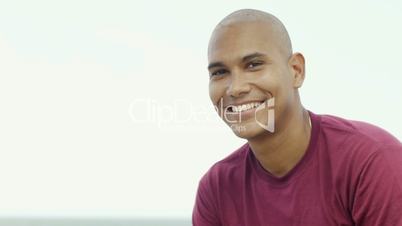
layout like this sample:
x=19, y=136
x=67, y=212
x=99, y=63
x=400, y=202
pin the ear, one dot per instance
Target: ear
x=297, y=69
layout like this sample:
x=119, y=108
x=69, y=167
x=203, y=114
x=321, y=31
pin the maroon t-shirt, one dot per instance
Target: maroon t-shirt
x=351, y=174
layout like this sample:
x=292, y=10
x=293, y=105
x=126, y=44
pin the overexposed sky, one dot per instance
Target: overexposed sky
x=104, y=104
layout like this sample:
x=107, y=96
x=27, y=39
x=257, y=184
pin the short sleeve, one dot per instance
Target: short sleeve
x=378, y=196
x=205, y=208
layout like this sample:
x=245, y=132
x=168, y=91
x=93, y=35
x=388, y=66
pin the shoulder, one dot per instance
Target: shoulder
x=355, y=133
x=356, y=145
x=356, y=128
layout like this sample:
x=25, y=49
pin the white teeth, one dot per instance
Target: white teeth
x=245, y=107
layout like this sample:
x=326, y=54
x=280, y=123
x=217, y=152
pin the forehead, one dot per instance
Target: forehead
x=232, y=42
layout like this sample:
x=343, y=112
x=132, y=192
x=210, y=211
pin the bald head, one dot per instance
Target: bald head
x=250, y=59
x=267, y=23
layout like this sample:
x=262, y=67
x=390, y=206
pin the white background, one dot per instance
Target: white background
x=75, y=77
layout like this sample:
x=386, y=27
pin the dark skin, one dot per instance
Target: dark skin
x=250, y=60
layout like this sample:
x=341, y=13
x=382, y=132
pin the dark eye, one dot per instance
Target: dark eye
x=254, y=64
x=219, y=72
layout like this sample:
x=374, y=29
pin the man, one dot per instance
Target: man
x=297, y=168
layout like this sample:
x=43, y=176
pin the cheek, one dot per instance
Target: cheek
x=271, y=81
x=267, y=84
x=216, y=92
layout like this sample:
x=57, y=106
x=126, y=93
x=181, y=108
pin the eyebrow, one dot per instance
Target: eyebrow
x=251, y=56
x=215, y=64
x=244, y=59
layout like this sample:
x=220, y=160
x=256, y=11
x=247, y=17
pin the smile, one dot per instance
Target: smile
x=244, y=107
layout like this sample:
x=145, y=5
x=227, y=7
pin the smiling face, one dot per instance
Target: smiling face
x=249, y=64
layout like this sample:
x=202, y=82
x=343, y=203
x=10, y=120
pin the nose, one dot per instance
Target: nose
x=238, y=85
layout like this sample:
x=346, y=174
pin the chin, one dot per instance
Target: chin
x=248, y=131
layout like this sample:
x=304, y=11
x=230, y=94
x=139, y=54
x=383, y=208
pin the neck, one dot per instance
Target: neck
x=279, y=152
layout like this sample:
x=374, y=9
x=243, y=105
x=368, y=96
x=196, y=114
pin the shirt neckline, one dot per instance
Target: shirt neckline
x=298, y=168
